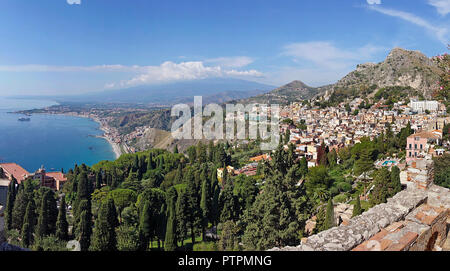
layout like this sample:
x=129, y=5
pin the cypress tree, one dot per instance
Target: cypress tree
x=170, y=243
x=11, y=197
x=179, y=175
x=357, y=208
x=205, y=202
x=98, y=180
x=104, y=238
x=42, y=224
x=329, y=219
x=193, y=197
x=145, y=226
x=395, y=185
x=82, y=191
x=175, y=149
x=19, y=209
x=150, y=162
x=228, y=204
x=62, y=227
x=85, y=227
x=26, y=235
x=28, y=225
x=181, y=215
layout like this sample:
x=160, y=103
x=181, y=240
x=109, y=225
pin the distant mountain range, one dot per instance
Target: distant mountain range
x=217, y=90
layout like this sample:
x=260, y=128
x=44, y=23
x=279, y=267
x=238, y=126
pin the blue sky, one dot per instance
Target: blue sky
x=50, y=47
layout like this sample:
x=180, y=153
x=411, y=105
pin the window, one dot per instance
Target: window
x=410, y=146
x=410, y=154
x=421, y=147
x=415, y=146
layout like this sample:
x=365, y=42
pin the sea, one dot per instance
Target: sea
x=56, y=142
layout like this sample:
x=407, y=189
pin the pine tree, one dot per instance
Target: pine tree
x=364, y=163
x=357, y=208
x=62, y=227
x=175, y=149
x=329, y=219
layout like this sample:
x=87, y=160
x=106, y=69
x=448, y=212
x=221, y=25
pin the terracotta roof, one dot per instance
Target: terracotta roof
x=14, y=169
x=425, y=134
x=59, y=176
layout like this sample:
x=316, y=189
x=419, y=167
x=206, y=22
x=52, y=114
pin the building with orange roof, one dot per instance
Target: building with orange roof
x=13, y=169
x=260, y=158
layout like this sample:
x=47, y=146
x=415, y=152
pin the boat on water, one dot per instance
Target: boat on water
x=24, y=119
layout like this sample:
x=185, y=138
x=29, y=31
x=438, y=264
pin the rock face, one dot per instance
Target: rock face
x=401, y=68
x=414, y=219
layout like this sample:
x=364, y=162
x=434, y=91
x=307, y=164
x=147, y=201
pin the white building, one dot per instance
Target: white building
x=421, y=106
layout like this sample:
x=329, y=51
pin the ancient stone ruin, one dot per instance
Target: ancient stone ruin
x=416, y=219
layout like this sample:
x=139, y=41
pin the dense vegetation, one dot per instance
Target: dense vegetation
x=161, y=200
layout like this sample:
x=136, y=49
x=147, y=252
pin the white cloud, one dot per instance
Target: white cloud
x=442, y=6
x=76, y=2
x=374, y=2
x=166, y=72
x=170, y=71
x=231, y=62
x=441, y=33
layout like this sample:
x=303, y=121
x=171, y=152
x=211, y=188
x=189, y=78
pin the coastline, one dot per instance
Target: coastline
x=116, y=147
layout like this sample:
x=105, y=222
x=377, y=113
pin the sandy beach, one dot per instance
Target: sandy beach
x=116, y=147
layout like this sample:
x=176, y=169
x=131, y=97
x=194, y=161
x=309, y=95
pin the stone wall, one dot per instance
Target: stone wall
x=416, y=218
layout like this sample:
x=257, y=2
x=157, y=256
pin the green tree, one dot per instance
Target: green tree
x=228, y=238
x=380, y=192
x=10, y=198
x=278, y=215
x=62, y=226
x=145, y=226
x=228, y=204
x=85, y=230
x=364, y=163
x=357, y=208
x=122, y=198
x=104, y=237
x=182, y=209
x=330, y=220
x=205, y=202
x=170, y=243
